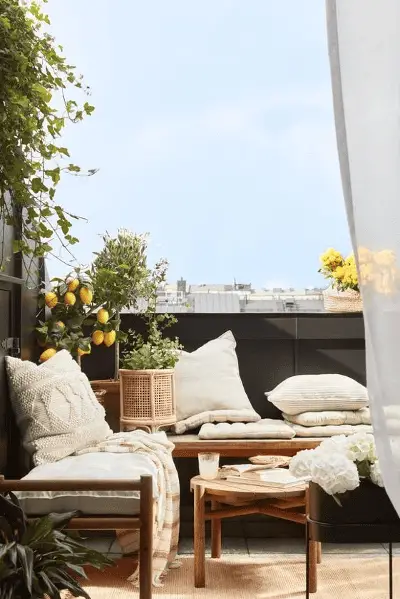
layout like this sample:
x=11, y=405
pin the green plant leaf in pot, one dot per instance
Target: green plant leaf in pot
x=42, y=559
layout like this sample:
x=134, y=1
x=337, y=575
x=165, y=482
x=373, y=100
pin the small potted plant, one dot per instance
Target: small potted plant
x=39, y=559
x=344, y=292
x=147, y=390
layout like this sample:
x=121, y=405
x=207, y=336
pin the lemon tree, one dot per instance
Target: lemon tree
x=74, y=319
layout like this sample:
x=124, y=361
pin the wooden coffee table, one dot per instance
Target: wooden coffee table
x=228, y=500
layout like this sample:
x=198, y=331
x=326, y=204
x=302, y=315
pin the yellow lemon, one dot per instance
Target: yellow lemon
x=82, y=352
x=69, y=298
x=98, y=337
x=51, y=299
x=86, y=295
x=109, y=338
x=47, y=354
x=73, y=284
x=103, y=316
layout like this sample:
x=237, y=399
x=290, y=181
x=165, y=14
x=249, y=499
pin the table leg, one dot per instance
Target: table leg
x=313, y=566
x=215, y=533
x=199, y=538
x=319, y=553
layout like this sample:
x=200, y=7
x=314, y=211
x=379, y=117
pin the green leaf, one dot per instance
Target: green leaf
x=17, y=246
x=36, y=185
x=73, y=168
x=42, y=91
x=26, y=557
x=88, y=108
x=54, y=174
x=5, y=22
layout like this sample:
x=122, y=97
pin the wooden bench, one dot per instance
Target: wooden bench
x=189, y=446
x=143, y=521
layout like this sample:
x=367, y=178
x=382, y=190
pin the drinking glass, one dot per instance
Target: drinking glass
x=208, y=465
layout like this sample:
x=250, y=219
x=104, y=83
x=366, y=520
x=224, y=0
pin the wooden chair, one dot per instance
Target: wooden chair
x=143, y=522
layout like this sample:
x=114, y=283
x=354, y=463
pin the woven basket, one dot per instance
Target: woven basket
x=342, y=301
x=147, y=399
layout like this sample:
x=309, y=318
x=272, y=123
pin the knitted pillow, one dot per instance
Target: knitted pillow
x=55, y=407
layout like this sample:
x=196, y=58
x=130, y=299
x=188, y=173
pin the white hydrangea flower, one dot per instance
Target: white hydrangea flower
x=361, y=446
x=338, y=443
x=300, y=464
x=334, y=472
x=376, y=474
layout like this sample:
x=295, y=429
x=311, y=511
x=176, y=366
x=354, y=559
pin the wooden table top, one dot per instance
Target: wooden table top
x=220, y=486
x=189, y=446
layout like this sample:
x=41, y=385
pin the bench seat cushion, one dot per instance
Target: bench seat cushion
x=89, y=466
x=263, y=429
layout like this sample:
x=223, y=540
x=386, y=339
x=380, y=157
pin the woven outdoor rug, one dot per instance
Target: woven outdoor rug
x=264, y=577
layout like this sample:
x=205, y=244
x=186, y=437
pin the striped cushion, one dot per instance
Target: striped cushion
x=263, y=429
x=318, y=393
x=214, y=416
x=335, y=418
x=330, y=431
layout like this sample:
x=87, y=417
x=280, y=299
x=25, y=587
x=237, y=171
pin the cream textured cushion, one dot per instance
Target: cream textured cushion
x=330, y=431
x=337, y=418
x=89, y=466
x=318, y=393
x=55, y=407
x=215, y=416
x=208, y=379
x=263, y=429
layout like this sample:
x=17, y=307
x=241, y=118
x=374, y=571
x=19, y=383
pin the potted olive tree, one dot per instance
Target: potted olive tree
x=121, y=280
x=147, y=389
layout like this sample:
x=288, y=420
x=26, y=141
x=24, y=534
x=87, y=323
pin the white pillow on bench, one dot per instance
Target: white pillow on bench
x=317, y=393
x=336, y=418
x=208, y=386
x=330, y=431
x=89, y=466
x=263, y=429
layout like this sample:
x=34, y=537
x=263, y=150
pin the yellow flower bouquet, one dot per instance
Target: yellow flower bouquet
x=340, y=271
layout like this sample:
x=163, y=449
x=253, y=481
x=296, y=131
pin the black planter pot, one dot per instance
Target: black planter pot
x=368, y=504
x=366, y=515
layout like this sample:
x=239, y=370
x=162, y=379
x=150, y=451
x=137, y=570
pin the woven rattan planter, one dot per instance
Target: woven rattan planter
x=147, y=399
x=342, y=301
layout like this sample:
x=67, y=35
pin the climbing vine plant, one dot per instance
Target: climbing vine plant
x=38, y=91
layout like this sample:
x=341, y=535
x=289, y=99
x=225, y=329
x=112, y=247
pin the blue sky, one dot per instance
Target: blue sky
x=213, y=131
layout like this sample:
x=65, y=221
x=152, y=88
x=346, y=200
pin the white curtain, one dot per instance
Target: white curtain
x=364, y=49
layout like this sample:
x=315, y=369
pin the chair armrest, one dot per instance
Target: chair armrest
x=144, y=484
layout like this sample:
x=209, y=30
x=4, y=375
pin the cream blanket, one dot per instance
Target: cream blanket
x=165, y=542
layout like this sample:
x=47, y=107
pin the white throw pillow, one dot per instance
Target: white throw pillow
x=55, y=407
x=263, y=429
x=337, y=418
x=318, y=393
x=208, y=379
x=330, y=431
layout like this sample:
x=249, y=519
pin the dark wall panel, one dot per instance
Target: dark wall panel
x=270, y=348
